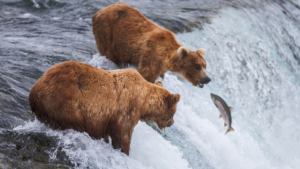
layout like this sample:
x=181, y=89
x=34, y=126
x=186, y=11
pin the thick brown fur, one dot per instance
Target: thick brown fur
x=124, y=35
x=73, y=95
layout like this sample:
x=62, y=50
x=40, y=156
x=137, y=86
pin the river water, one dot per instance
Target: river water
x=253, y=59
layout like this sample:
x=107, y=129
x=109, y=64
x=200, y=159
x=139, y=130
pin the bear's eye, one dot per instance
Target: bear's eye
x=198, y=67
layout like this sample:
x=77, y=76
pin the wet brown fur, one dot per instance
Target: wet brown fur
x=73, y=95
x=124, y=35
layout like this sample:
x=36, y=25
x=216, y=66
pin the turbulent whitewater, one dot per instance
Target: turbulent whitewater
x=253, y=59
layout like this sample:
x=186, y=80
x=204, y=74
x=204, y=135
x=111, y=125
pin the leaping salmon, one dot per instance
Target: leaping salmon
x=225, y=111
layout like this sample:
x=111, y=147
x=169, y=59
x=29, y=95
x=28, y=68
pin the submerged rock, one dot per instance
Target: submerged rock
x=30, y=150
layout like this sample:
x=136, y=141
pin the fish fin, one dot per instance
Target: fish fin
x=230, y=109
x=225, y=124
x=230, y=129
x=220, y=116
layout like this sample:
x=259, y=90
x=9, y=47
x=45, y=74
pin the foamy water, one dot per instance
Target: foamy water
x=253, y=68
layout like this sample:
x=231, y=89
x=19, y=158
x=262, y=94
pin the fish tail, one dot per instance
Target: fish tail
x=229, y=129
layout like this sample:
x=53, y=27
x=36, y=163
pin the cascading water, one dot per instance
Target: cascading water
x=253, y=59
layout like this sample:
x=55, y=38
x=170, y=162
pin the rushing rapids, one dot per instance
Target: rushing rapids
x=253, y=59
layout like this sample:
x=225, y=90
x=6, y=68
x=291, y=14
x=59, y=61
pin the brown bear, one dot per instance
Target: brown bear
x=124, y=35
x=73, y=95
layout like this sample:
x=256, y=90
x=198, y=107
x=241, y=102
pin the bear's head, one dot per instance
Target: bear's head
x=192, y=65
x=165, y=118
x=160, y=106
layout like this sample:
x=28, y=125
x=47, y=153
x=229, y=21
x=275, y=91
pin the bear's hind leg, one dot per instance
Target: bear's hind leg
x=106, y=139
x=115, y=141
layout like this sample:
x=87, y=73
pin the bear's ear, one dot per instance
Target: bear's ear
x=201, y=51
x=159, y=83
x=172, y=99
x=182, y=51
x=176, y=97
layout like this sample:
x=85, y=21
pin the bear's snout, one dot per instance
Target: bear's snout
x=205, y=80
x=170, y=123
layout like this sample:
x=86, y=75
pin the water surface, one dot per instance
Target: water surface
x=253, y=58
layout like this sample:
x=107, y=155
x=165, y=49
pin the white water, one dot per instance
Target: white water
x=252, y=68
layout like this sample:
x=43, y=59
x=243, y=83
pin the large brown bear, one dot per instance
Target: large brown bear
x=124, y=35
x=73, y=95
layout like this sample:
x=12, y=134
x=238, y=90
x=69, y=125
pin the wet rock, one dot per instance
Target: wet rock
x=32, y=150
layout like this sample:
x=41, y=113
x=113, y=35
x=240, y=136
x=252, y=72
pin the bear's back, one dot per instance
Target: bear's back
x=123, y=34
x=71, y=94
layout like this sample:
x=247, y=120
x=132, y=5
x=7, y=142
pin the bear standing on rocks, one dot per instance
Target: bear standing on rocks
x=73, y=95
x=124, y=35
